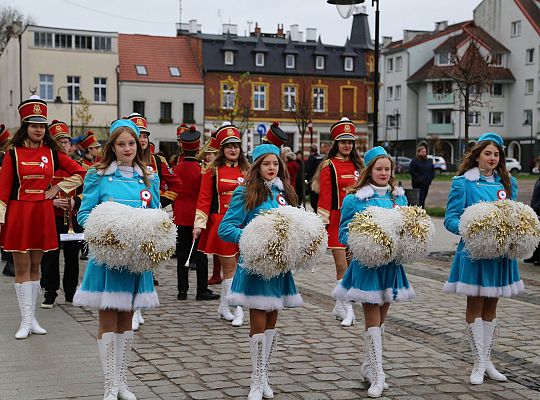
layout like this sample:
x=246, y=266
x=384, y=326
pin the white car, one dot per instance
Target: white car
x=438, y=163
x=513, y=166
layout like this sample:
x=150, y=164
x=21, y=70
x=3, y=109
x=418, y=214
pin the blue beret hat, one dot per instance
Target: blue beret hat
x=373, y=153
x=264, y=149
x=127, y=123
x=493, y=137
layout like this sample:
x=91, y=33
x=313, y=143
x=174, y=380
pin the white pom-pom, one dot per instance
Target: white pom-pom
x=525, y=236
x=282, y=239
x=373, y=235
x=137, y=239
x=416, y=234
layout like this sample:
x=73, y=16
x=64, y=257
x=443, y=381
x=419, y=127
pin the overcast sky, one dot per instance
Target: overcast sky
x=158, y=17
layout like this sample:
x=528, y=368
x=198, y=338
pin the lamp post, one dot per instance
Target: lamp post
x=529, y=121
x=396, y=122
x=345, y=9
x=310, y=130
x=58, y=100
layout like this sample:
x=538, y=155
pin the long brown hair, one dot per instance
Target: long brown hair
x=221, y=160
x=332, y=153
x=365, y=175
x=109, y=155
x=257, y=192
x=471, y=161
x=19, y=138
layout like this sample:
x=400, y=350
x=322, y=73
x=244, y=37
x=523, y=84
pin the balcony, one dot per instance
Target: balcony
x=440, y=129
x=435, y=99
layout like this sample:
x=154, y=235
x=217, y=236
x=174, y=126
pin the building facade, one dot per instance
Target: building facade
x=77, y=68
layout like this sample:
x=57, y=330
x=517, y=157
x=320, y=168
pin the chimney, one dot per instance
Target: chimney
x=294, y=33
x=441, y=26
x=257, y=28
x=280, y=32
x=232, y=29
x=386, y=40
x=311, y=34
x=192, y=26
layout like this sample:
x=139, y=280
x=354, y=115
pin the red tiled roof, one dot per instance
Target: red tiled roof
x=532, y=11
x=472, y=32
x=157, y=54
x=430, y=71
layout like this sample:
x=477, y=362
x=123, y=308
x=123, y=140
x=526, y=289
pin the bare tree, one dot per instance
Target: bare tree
x=235, y=108
x=83, y=117
x=12, y=21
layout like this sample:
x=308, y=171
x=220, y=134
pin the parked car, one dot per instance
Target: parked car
x=402, y=165
x=438, y=163
x=513, y=165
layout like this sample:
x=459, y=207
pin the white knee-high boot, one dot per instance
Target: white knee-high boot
x=475, y=335
x=238, y=317
x=36, y=328
x=124, y=345
x=137, y=319
x=271, y=337
x=349, y=314
x=107, y=355
x=339, y=308
x=24, y=296
x=489, y=342
x=223, y=310
x=374, y=343
x=257, y=344
x=365, y=368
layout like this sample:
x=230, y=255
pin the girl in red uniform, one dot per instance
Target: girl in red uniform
x=339, y=170
x=218, y=183
x=26, y=202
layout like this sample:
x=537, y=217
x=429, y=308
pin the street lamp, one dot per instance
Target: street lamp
x=345, y=9
x=58, y=100
x=529, y=121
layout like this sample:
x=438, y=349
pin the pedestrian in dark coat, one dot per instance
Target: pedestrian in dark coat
x=422, y=173
x=535, y=205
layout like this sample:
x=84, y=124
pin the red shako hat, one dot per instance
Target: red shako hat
x=343, y=130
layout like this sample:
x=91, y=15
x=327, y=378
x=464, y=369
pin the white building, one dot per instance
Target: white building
x=159, y=78
x=70, y=63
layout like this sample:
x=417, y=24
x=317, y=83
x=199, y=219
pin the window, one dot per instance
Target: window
x=100, y=90
x=62, y=41
x=444, y=58
x=229, y=58
x=102, y=43
x=43, y=39
x=289, y=98
x=475, y=89
x=138, y=107
x=319, y=104
x=390, y=65
x=496, y=118
x=174, y=71
x=46, y=85
x=290, y=61
x=188, y=113
x=348, y=64
x=515, y=28
x=165, y=113
x=259, y=97
x=442, y=116
x=529, y=56
x=399, y=63
x=141, y=70
x=527, y=117
x=497, y=90
x=74, y=88
x=83, y=42
x=497, y=60
x=393, y=120
x=227, y=96
x=442, y=87
x=259, y=59
x=474, y=118
x=389, y=93
x=397, y=94
x=529, y=86
x=319, y=62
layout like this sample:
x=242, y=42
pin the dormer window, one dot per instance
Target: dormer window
x=319, y=62
x=259, y=59
x=174, y=71
x=444, y=58
x=141, y=70
x=229, y=58
x=348, y=64
x=290, y=61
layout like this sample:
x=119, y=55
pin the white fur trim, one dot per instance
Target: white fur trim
x=266, y=303
x=111, y=169
x=476, y=290
x=122, y=301
x=146, y=300
x=472, y=174
x=365, y=192
x=398, y=191
x=373, y=297
x=278, y=183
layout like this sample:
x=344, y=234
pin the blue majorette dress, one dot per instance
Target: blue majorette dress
x=485, y=278
x=106, y=288
x=362, y=284
x=248, y=289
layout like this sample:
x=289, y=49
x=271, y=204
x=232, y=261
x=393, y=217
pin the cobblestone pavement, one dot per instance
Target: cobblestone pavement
x=185, y=352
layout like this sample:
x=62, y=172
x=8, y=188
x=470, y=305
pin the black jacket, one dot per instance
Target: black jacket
x=535, y=201
x=422, y=172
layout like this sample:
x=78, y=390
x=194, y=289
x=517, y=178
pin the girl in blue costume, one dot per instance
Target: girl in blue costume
x=266, y=187
x=482, y=176
x=377, y=287
x=122, y=177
